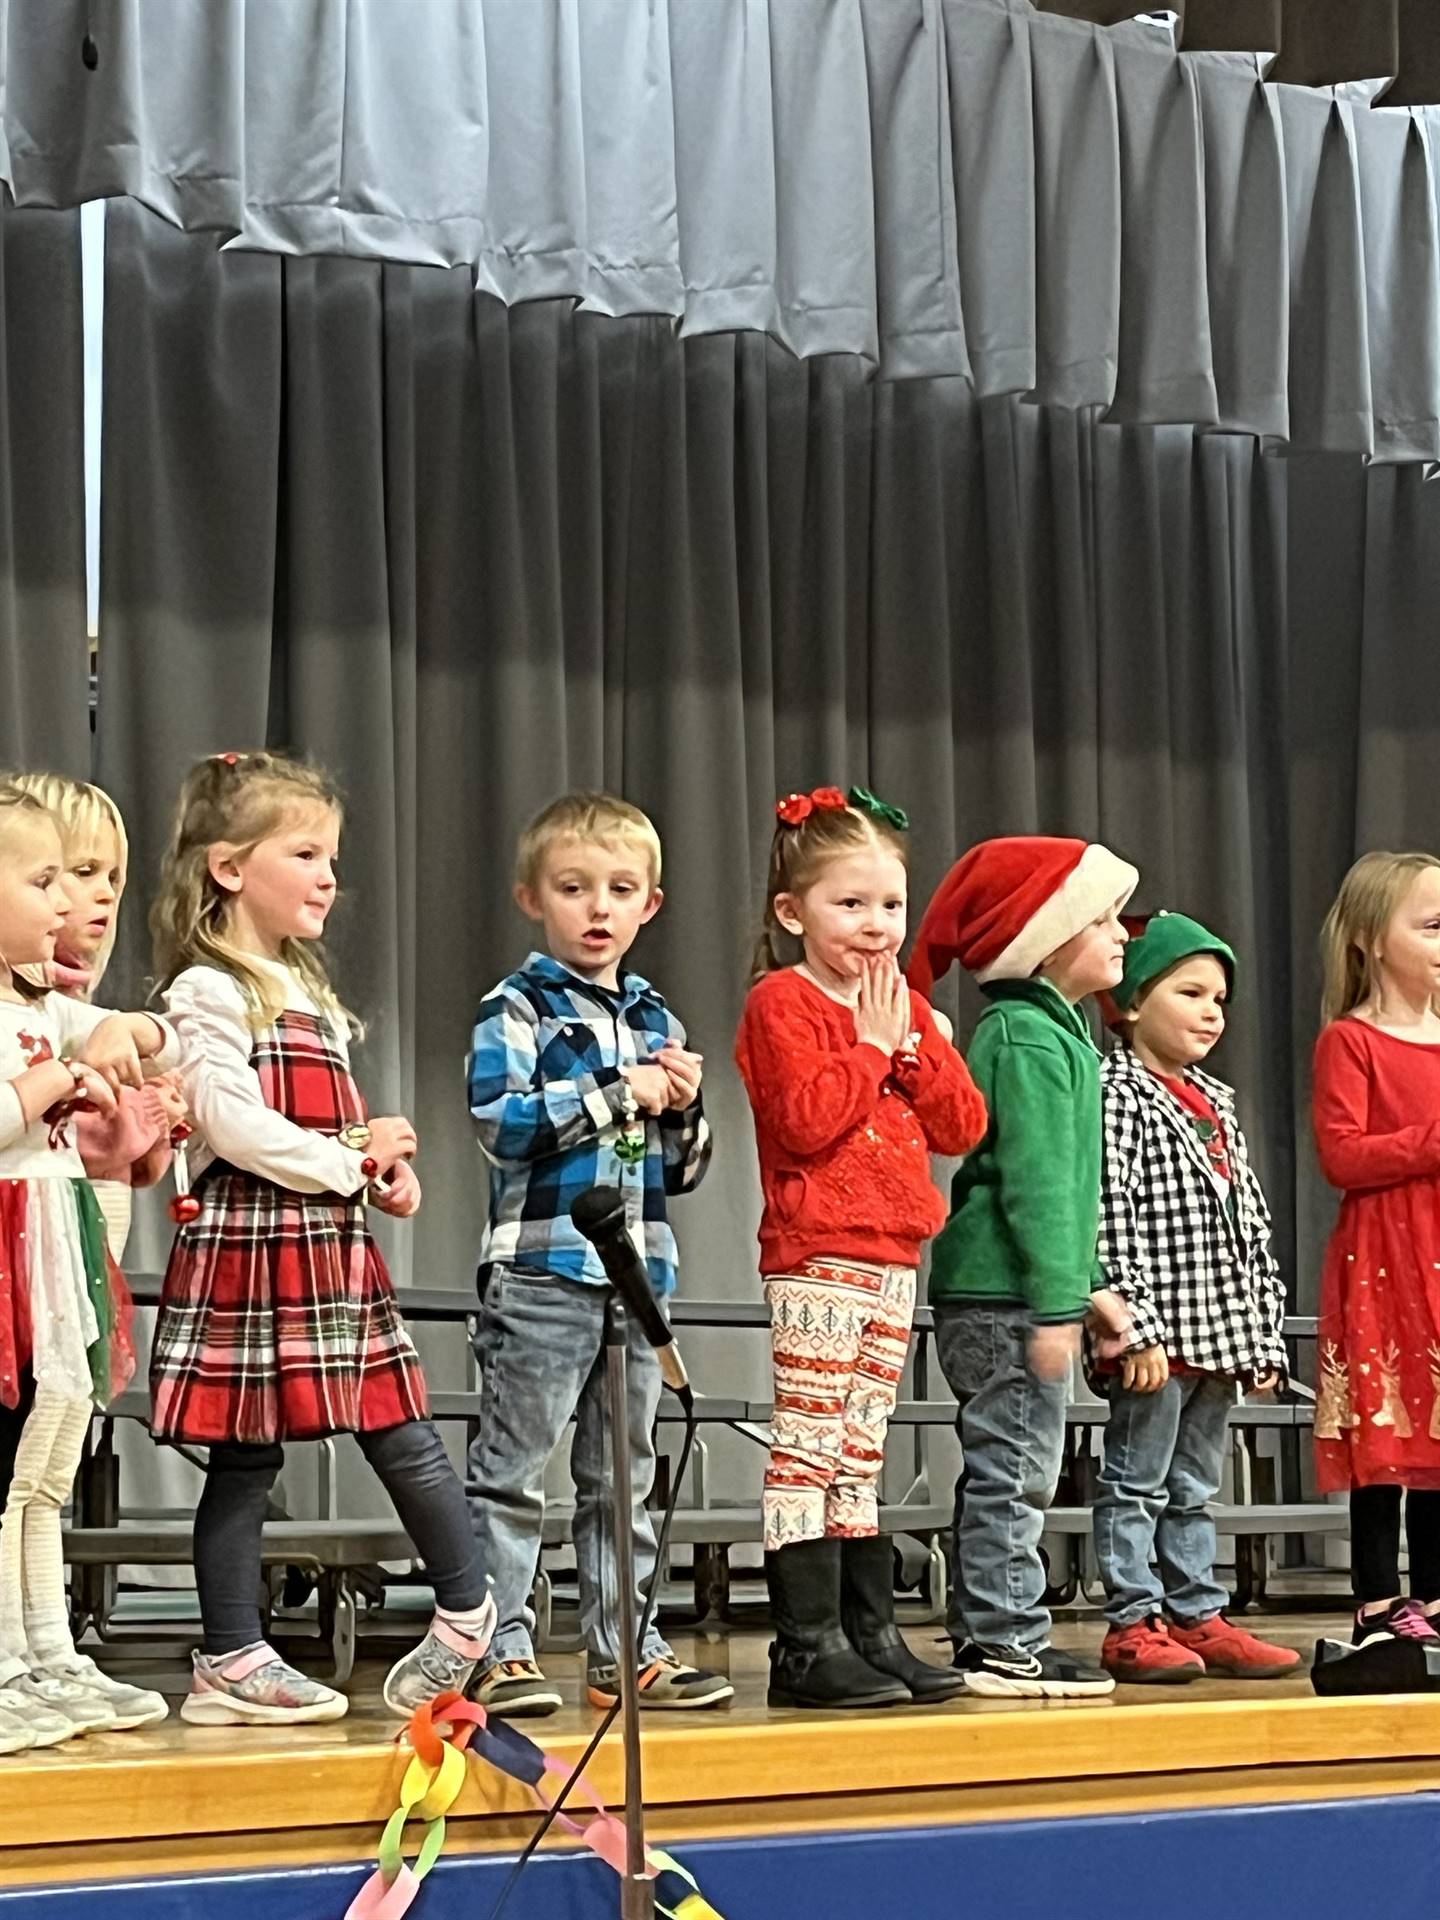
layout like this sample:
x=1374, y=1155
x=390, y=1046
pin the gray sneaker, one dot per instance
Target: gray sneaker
x=254, y=1687
x=16, y=1733
x=443, y=1662
x=82, y=1710
x=133, y=1706
x=45, y=1726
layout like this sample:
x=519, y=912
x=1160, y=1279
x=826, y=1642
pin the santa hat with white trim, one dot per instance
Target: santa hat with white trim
x=1007, y=905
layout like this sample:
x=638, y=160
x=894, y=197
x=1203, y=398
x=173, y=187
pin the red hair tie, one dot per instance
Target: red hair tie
x=796, y=808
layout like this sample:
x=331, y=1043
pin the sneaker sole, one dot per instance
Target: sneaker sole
x=216, y=1710
x=82, y=1728
x=1160, y=1676
x=1253, y=1673
x=148, y=1717
x=16, y=1742
x=994, y=1686
x=529, y=1706
x=665, y=1703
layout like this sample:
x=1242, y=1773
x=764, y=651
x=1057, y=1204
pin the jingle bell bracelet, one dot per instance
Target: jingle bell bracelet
x=184, y=1207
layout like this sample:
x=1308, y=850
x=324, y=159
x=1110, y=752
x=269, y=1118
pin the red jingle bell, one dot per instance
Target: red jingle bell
x=184, y=1208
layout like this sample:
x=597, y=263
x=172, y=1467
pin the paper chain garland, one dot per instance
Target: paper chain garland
x=441, y=1733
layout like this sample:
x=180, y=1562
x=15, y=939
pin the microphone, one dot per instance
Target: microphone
x=600, y=1216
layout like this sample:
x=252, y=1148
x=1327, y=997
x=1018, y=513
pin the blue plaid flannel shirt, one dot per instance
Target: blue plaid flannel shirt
x=548, y=1097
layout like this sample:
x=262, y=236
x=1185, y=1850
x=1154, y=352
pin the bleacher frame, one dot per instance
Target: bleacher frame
x=342, y=1556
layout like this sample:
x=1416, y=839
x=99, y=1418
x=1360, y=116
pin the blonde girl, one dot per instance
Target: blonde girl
x=64, y=1337
x=278, y=1320
x=131, y=1146
x=1377, y=1126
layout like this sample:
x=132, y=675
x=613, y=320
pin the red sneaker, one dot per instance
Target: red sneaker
x=1232, y=1654
x=1145, y=1654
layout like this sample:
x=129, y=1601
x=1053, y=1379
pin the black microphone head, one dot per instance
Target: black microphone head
x=594, y=1207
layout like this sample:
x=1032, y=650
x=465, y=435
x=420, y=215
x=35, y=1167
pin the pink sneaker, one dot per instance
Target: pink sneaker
x=256, y=1688
x=1402, y=1620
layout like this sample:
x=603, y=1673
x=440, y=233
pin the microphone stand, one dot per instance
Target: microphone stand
x=637, y=1890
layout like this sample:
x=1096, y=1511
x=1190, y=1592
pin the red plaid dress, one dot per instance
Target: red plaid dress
x=278, y=1320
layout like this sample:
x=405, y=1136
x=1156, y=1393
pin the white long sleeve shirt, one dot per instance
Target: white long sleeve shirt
x=48, y=1029
x=232, y=1121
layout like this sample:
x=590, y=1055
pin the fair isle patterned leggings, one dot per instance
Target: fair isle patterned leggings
x=839, y=1330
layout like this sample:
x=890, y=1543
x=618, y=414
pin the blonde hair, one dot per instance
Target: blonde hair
x=600, y=818
x=1369, y=897
x=799, y=855
x=81, y=811
x=17, y=804
x=239, y=799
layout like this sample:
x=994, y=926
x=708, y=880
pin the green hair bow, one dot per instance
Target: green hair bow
x=879, y=809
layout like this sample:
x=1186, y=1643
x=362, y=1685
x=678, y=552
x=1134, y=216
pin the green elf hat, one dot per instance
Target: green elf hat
x=1163, y=941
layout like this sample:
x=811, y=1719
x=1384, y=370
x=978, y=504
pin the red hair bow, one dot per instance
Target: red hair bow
x=798, y=807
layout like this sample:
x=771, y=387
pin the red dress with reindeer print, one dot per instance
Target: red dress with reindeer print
x=1377, y=1126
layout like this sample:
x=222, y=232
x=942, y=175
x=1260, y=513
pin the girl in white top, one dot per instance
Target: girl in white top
x=64, y=1333
x=278, y=1321
x=130, y=1147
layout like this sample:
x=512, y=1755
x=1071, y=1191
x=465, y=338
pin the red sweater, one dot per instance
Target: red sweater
x=844, y=1133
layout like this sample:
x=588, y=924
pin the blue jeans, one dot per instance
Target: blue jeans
x=540, y=1344
x=1012, y=1432
x=1164, y=1456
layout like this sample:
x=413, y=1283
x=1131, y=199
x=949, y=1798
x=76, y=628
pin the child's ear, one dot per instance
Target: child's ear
x=528, y=901
x=653, y=905
x=224, y=866
x=784, y=909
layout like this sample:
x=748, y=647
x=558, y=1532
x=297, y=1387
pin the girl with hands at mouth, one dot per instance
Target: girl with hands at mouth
x=853, y=1084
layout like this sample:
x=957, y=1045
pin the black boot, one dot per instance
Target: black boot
x=867, y=1613
x=812, y=1664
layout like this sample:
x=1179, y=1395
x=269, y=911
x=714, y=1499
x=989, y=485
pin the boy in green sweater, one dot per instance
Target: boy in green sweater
x=1015, y=1273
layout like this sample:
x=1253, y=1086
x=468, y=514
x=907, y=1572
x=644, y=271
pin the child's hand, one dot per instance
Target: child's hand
x=882, y=1013
x=683, y=1070
x=1267, y=1383
x=111, y=1050
x=399, y=1193
x=1109, y=1311
x=943, y=1026
x=391, y=1139
x=1053, y=1350
x=166, y=1087
x=92, y=1089
x=1109, y=1323
x=650, y=1086
x=1145, y=1371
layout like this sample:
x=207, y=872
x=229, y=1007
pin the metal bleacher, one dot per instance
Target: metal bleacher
x=340, y=1556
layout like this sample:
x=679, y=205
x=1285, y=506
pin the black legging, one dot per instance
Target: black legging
x=415, y=1471
x=1375, y=1543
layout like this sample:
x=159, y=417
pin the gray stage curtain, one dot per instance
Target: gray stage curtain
x=941, y=186
x=44, y=655
x=468, y=557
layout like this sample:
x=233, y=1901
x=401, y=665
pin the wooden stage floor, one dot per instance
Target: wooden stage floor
x=181, y=1799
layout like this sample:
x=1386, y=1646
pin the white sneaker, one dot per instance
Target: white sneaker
x=15, y=1732
x=133, y=1706
x=43, y=1724
x=255, y=1687
x=85, y=1711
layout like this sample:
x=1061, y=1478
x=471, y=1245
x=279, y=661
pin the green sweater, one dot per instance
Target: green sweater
x=1025, y=1219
